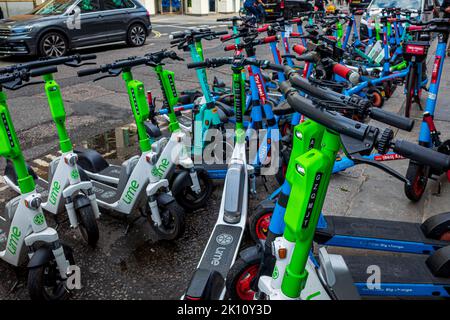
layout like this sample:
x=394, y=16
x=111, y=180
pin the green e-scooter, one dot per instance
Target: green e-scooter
x=28, y=235
x=64, y=191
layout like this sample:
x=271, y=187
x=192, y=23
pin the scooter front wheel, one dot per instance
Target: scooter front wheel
x=418, y=179
x=192, y=201
x=88, y=225
x=173, y=221
x=240, y=278
x=45, y=282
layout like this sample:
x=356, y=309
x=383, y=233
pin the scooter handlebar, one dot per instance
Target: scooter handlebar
x=392, y=119
x=423, y=155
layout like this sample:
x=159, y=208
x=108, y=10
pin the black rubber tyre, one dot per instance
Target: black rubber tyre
x=239, y=279
x=88, y=225
x=191, y=201
x=136, y=35
x=258, y=223
x=418, y=178
x=410, y=88
x=377, y=98
x=53, y=44
x=43, y=278
x=173, y=218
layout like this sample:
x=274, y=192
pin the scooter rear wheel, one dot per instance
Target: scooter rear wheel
x=259, y=223
x=240, y=278
x=44, y=282
x=418, y=178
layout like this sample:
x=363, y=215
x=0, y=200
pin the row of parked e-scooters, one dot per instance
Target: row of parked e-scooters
x=311, y=100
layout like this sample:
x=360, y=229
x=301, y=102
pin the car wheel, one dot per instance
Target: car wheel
x=53, y=44
x=136, y=35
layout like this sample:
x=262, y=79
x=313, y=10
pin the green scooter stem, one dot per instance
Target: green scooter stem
x=140, y=108
x=10, y=148
x=312, y=172
x=58, y=112
x=167, y=82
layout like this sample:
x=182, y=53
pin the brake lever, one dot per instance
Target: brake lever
x=20, y=86
x=359, y=159
x=74, y=64
x=112, y=74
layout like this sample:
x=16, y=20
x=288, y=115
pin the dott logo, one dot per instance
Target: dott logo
x=8, y=131
x=14, y=240
x=131, y=192
x=161, y=169
x=54, y=193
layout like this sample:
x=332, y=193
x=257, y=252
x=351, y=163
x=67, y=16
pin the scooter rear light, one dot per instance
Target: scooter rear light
x=282, y=4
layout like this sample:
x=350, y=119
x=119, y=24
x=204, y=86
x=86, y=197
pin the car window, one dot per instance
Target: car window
x=117, y=4
x=87, y=6
x=52, y=7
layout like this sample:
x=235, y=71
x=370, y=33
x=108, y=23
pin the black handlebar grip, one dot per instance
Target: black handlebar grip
x=43, y=71
x=195, y=65
x=88, y=72
x=221, y=33
x=425, y=156
x=275, y=67
x=176, y=35
x=176, y=41
x=85, y=57
x=392, y=119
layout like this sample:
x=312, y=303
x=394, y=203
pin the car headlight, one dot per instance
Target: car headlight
x=21, y=30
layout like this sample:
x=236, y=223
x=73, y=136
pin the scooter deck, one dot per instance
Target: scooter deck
x=104, y=192
x=219, y=255
x=376, y=234
x=112, y=171
x=406, y=275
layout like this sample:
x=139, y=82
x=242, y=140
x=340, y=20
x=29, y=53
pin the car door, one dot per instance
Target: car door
x=89, y=31
x=116, y=14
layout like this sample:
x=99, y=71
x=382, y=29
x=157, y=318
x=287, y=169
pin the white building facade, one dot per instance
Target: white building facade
x=191, y=7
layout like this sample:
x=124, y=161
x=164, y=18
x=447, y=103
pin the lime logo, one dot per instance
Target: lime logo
x=14, y=239
x=39, y=219
x=75, y=174
x=54, y=192
x=131, y=192
x=275, y=274
x=161, y=168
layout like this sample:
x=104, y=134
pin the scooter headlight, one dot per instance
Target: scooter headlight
x=71, y=160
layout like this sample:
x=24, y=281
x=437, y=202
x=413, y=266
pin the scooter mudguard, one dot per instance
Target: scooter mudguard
x=11, y=173
x=165, y=199
x=90, y=160
x=251, y=253
x=81, y=201
x=44, y=254
x=205, y=285
x=181, y=181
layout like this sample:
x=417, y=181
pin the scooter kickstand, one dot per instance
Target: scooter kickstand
x=131, y=223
